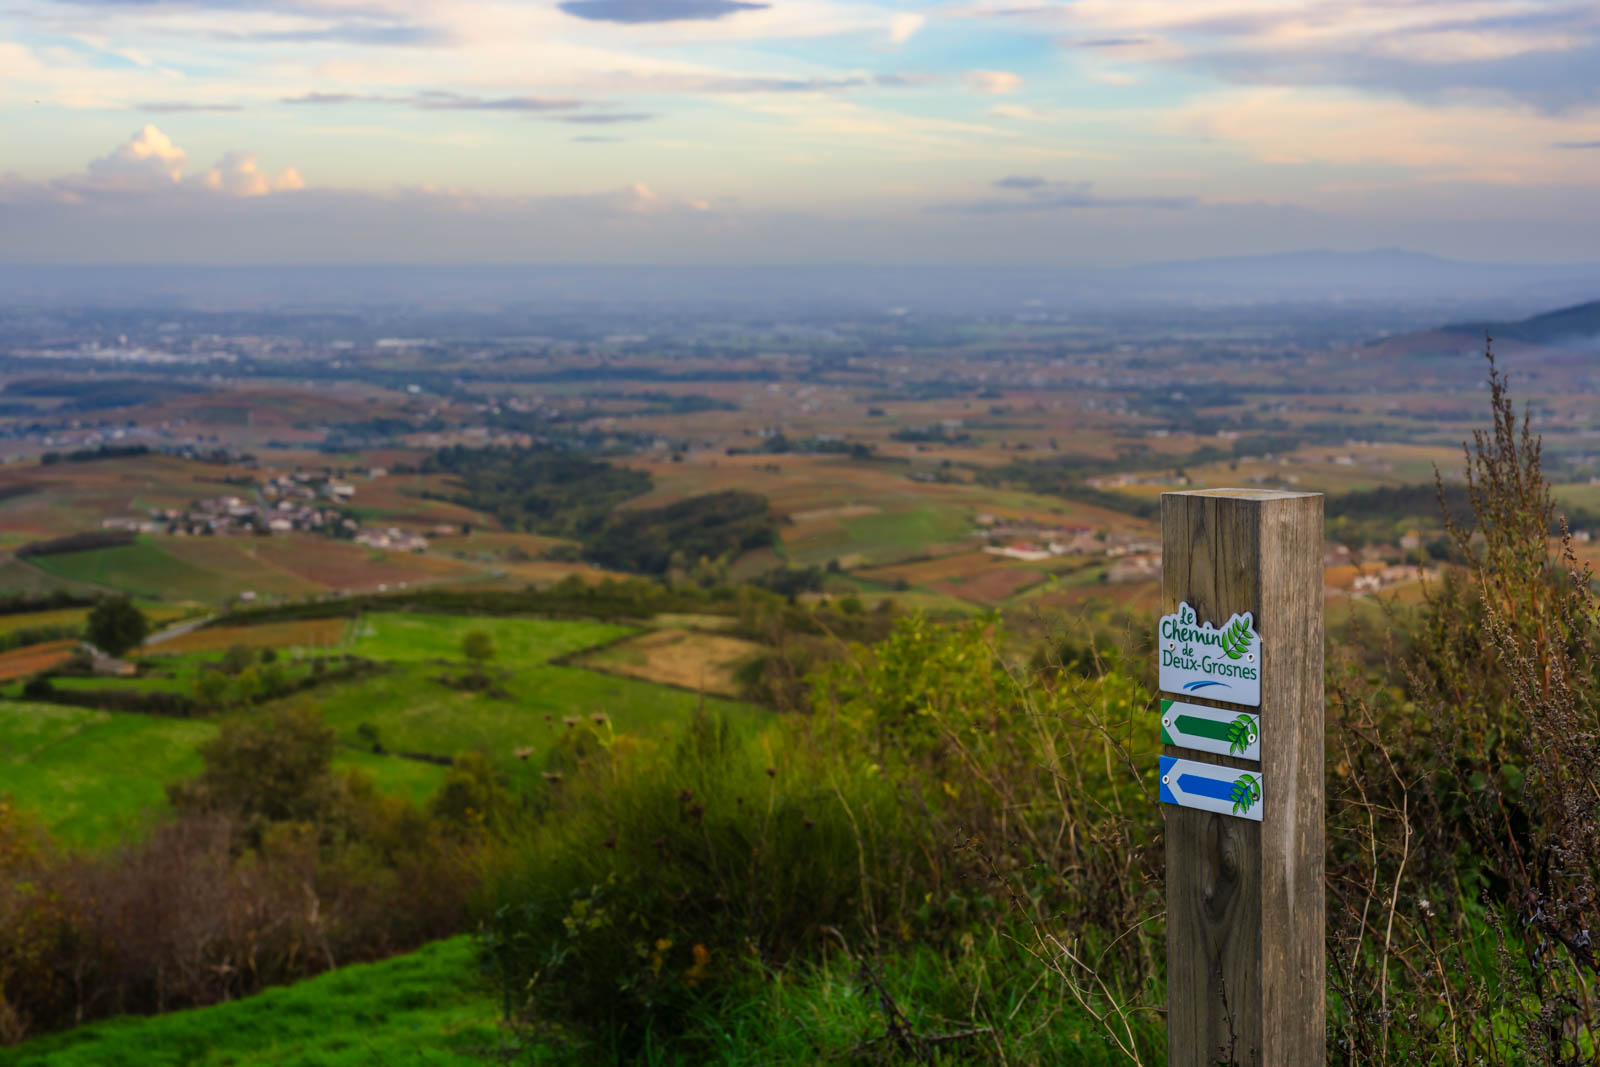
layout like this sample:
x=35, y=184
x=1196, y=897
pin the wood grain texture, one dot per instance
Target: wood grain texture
x=1245, y=956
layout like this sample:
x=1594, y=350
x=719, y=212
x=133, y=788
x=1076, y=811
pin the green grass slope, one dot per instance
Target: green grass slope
x=396, y=636
x=141, y=569
x=94, y=777
x=424, y=1008
x=415, y=711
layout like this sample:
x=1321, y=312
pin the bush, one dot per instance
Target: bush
x=653, y=881
x=271, y=766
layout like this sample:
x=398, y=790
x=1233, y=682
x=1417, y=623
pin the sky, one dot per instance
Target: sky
x=973, y=132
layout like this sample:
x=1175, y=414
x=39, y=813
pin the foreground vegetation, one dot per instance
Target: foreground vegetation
x=946, y=848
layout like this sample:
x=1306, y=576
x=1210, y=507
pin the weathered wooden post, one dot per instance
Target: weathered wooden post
x=1240, y=646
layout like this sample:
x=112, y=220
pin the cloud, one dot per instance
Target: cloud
x=1544, y=54
x=637, y=11
x=592, y=139
x=238, y=174
x=441, y=100
x=147, y=160
x=904, y=26
x=1020, y=112
x=1322, y=128
x=992, y=82
x=665, y=82
x=380, y=34
x=149, y=164
x=435, y=100
x=177, y=107
x=608, y=118
x=1112, y=42
x=1042, y=194
x=1576, y=144
x=329, y=98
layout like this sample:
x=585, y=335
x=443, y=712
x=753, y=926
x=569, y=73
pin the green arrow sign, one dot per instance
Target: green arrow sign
x=1226, y=733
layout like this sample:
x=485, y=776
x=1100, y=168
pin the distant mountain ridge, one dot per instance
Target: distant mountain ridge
x=1581, y=322
x=1435, y=288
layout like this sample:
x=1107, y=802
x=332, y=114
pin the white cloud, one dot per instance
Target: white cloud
x=238, y=174
x=993, y=82
x=149, y=163
x=147, y=160
x=904, y=26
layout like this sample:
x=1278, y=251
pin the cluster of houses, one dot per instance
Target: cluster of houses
x=1033, y=542
x=394, y=539
x=285, y=503
x=235, y=515
x=1131, y=558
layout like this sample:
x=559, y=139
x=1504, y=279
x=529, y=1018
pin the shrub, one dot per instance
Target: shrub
x=924, y=773
x=271, y=766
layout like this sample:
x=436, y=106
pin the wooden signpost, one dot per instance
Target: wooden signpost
x=1240, y=646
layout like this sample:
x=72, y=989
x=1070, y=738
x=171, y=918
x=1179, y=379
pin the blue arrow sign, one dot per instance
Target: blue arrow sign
x=1223, y=790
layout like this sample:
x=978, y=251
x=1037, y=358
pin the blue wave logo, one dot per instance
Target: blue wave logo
x=1203, y=683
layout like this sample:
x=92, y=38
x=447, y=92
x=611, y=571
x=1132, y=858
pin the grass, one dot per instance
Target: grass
x=142, y=569
x=21, y=578
x=1578, y=495
x=517, y=641
x=415, y=712
x=431, y=1007
x=426, y=1007
x=879, y=538
x=95, y=777
x=687, y=659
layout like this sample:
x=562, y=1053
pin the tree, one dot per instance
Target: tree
x=273, y=765
x=236, y=659
x=477, y=647
x=115, y=626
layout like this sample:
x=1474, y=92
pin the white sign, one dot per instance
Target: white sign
x=1201, y=660
x=1223, y=790
x=1225, y=733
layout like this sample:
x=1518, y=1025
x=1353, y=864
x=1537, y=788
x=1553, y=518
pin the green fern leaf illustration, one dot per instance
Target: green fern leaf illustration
x=1235, y=639
x=1239, y=734
x=1246, y=791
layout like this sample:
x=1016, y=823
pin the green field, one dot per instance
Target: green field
x=885, y=537
x=517, y=642
x=93, y=777
x=21, y=578
x=415, y=711
x=423, y=1008
x=1581, y=495
x=141, y=569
